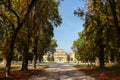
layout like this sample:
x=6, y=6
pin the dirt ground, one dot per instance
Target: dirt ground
x=110, y=73
x=16, y=74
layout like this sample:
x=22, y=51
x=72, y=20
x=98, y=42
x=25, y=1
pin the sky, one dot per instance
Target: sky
x=67, y=32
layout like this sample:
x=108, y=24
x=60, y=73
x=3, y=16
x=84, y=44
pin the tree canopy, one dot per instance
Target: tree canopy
x=26, y=28
x=100, y=37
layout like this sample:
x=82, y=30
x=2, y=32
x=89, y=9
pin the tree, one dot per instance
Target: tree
x=99, y=33
x=113, y=7
x=46, y=16
x=17, y=14
x=11, y=10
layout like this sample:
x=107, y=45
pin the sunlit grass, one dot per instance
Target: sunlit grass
x=112, y=64
x=107, y=65
x=111, y=72
x=85, y=66
x=2, y=66
x=16, y=74
x=18, y=67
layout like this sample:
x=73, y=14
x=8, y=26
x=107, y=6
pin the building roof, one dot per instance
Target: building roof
x=60, y=52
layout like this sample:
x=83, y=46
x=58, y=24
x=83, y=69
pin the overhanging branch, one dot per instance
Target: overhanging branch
x=9, y=21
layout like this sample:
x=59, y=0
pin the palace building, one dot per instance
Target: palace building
x=61, y=56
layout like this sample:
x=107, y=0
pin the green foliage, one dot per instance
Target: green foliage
x=98, y=30
x=27, y=25
x=52, y=47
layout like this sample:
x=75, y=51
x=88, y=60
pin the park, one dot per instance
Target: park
x=30, y=34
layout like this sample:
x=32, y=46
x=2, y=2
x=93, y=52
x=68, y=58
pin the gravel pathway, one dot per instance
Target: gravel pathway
x=62, y=72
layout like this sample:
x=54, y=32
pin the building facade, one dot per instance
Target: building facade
x=61, y=56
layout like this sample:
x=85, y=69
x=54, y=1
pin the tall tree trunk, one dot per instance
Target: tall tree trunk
x=10, y=54
x=24, y=64
x=116, y=22
x=34, y=61
x=24, y=67
x=100, y=42
x=101, y=57
x=35, y=52
x=112, y=56
x=8, y=64
x=26, y=52
x=40, y=58
x=91, y=65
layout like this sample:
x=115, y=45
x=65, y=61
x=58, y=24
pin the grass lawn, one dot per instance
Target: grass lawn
x=16, y=74
x=112, y=72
